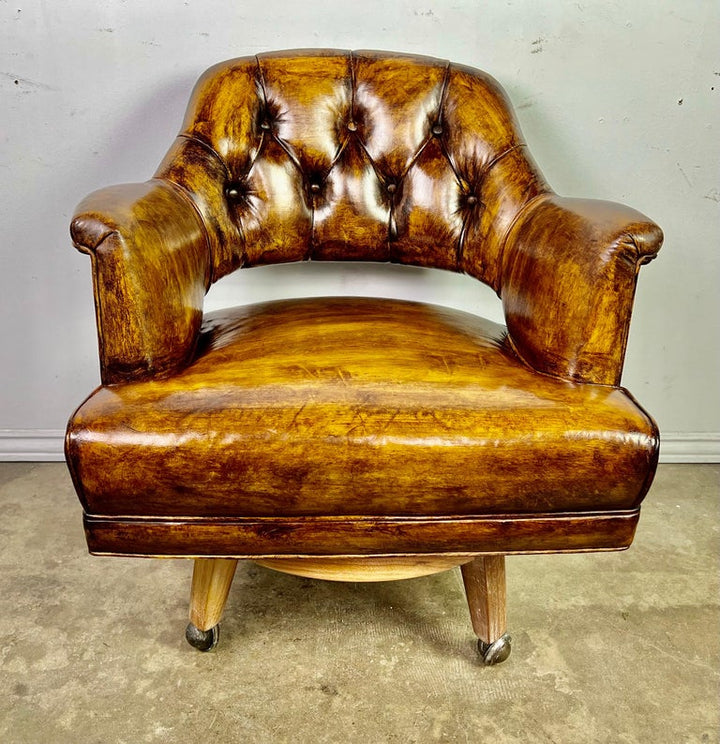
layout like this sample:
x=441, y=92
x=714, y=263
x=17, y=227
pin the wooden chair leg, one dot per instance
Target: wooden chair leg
x=484, y=580
x=211, y=582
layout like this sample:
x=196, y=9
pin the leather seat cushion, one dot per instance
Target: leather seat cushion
x=353, y=406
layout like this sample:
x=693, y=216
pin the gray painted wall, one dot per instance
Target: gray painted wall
x=618, y=100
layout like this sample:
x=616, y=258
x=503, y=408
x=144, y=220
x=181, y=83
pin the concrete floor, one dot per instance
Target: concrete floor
x=617, y=647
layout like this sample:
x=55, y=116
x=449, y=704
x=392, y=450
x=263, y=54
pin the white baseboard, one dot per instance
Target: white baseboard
x=31, y=445
x=690, y=447
x=46, y=445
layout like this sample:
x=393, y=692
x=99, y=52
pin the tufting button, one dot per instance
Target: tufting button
x=391, y=188
x=437, y=130
x=265, y=125
x=472, y=199
x=352, y=126
x=234, y=192
x=315, y=188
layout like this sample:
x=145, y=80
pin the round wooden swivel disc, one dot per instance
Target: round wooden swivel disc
x=365, y=569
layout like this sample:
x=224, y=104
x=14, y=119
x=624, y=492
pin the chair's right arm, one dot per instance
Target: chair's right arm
x=151, y=269
x=569, y=273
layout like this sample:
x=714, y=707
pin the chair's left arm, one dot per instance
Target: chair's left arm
x=568, y=283
x=151, y=269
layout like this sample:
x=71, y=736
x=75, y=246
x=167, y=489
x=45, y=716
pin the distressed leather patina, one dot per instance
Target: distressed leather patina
x=354, y=427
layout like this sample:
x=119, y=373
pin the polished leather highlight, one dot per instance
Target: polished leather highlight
x=353, y=426
x=581, y=258
x=353, y=156
x=350, y=406
x=151, y=269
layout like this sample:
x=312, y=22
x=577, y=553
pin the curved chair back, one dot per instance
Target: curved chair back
x=337, y=155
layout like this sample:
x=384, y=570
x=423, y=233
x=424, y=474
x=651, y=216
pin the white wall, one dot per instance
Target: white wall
x=618, y=100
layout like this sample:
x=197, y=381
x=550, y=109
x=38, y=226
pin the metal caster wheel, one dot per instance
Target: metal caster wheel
x=495, y=652
x=203, y=640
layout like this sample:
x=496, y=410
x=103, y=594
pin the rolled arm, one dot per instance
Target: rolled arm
x=568, y=283
x=151, y=269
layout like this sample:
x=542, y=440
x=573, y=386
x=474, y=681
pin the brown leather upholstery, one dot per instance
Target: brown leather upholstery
x=377, y=414
x=292, y=409
x=358, y=156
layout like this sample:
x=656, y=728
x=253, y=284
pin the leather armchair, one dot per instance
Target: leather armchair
x=355, y=438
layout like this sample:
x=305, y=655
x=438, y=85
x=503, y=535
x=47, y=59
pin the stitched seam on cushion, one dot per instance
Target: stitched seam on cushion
x=394, y=519
x=446, y=152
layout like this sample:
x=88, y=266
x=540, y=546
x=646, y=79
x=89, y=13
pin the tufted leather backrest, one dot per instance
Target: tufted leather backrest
x=336, y=155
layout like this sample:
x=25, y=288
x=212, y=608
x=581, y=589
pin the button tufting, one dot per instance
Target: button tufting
x=472, y=199
x=392, y=188
x=265, y=125
x=234, y=192
x=437, y=129
x=352, y=126
x=315, y=188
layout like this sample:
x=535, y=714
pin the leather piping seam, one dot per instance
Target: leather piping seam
x=99, y=311
x=186, y=197
x=115, y=232
x=526, y=207
x=207, y=146
x=429, y=138
x=443, y=92
x=341, y=149
x=656, y=454
x=392, y=234
x=381, y=180
x=104, y=371
x=261, y=80
x=367, y=519
x=88, y=249
x=367, y=556
x=563, y=378
x=624, y=330
x=74, y=475
x=499, y=157
x=353, y=82
x=281, y=142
